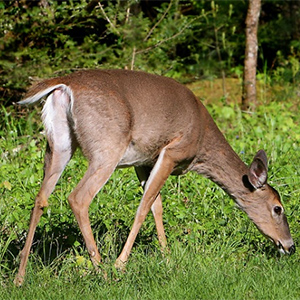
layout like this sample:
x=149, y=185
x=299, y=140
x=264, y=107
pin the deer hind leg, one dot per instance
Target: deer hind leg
x=159, y=174
x=81, y=197
x=156, y=208
x=60, y=148
x=55, y=163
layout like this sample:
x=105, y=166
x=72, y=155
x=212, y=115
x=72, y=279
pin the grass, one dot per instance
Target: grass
x=215, y=251
x=189, y=272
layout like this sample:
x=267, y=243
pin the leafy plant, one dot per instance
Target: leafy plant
x=181, y=39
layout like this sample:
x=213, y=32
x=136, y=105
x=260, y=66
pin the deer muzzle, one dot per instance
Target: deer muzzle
x=290, y=249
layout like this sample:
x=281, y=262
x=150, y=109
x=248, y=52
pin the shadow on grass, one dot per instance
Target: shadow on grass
x=66, y=238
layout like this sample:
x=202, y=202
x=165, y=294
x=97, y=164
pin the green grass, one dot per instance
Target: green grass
x=189, y=272
x=215, y=250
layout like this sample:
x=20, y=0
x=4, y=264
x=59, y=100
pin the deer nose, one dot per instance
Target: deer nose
x=292, y=249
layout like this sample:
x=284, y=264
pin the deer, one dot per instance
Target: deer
x=123, y=118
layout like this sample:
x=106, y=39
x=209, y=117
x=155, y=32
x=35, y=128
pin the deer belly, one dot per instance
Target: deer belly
x=134, y=156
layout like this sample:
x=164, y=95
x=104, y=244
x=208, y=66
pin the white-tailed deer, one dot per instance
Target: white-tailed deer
x=124, y=118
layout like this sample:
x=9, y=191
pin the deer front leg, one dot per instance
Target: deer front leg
x=157, y=211
x=156, y=208
x=159, y=174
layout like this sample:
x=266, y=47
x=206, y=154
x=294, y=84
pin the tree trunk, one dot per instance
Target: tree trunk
x=249, y=79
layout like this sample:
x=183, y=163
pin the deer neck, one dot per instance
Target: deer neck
x=217, y=161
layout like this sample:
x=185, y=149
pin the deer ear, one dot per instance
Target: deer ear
x=258, y=171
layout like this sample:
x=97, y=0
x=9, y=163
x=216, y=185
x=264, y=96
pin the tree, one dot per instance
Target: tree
x=249, y=79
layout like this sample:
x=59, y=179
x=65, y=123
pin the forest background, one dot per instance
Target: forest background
x=186, y=40
x=216, y=252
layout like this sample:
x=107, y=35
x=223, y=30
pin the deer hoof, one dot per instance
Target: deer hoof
x=18, y=280
x=120, y=265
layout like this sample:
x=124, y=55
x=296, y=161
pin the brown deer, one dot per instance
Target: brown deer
x=125, y=118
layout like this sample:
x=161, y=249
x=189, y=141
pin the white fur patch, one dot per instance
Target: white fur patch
x=55, y=118
x=155, y=169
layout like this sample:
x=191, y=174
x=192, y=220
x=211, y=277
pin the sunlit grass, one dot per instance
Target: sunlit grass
x=215, y=250
x=188, y=272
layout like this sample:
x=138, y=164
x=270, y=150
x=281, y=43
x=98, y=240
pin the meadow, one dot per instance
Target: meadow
x=215, y=252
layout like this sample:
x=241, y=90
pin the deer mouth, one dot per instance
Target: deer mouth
x=289, y=251
x=281, y=248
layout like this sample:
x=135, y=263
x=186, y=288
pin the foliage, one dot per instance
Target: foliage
x=42, y=41
x=216, y=252
x=181, y=39
x=197, y=214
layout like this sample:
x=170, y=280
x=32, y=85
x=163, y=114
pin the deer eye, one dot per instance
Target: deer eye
x=277, y=210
